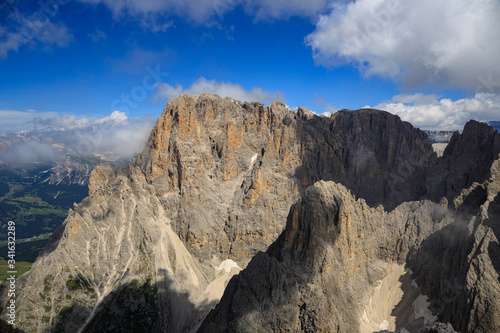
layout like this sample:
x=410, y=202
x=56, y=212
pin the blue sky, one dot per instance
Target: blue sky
x=73, y=63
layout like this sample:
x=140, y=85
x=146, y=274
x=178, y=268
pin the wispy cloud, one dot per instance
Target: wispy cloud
x=209, y=11
x=283, y=9
x=34, y=29
x=135, y=61
x=446, y=43
x=97, y=35
x=223, y=89
x=197, y=11
x=434, y=113
x=329, y=108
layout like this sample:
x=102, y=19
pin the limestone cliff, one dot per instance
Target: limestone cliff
x=155, y=243
x=227, y=172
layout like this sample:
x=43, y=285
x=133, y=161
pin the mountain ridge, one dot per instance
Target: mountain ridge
x=214, y=183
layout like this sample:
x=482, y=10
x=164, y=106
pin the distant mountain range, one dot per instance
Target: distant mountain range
x=440, y=139
x=439, y=136
x=37, y=193
x=494, y=124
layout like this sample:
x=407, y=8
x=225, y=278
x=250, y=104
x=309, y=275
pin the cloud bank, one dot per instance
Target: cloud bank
x=114, y=136
x=433, y=113
x=223, y=89
x=448, y=42
x=30, y=152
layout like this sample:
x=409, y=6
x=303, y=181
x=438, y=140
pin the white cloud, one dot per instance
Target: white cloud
x=136, y=60
x=450, y=42
x=115, y=135
x=71, y=122
x=431, y=112
x=34, y=29
x=223, y=89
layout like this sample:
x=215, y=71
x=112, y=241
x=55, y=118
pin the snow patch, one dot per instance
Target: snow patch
x=252, y=160
x=227, y=265
x=384, y=325
x=365, y=317
x=380, y=301
x=414, y=283
x=421, y=310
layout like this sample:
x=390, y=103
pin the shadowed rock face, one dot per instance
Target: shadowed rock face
x=321, y=271
x=216, y=181
x=335, y=251
x=467, y=159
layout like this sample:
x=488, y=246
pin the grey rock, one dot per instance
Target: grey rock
x=67, y=171
x=439, y=328
x=467, y=159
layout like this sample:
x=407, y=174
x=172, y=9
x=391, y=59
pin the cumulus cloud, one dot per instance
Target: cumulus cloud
x=450, y=42
x=36, y=29
x=223, y=89
x=434, y=113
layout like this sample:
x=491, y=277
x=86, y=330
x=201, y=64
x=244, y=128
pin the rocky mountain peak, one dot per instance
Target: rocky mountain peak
x=467, y=159
x=318, y=211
